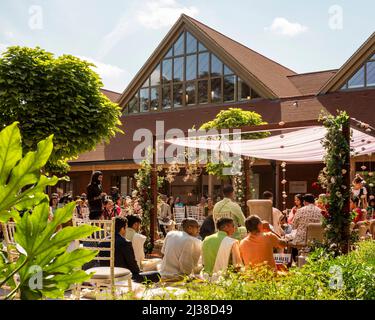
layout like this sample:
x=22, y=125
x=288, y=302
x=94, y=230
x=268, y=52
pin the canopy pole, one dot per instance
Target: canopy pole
x=246, y=164
x=347, y=182
x=154, y=193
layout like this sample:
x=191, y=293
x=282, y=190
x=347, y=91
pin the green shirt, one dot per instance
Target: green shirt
x=210, y=248
x=227, y=205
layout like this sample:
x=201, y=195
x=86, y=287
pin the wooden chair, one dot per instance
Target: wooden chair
x=179, y=215
x=372, y=228
x=103, y=277
x=261, y=208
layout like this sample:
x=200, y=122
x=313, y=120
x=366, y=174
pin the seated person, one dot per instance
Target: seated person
x=257, y=247
x=219, y=249
x=138, y=240
x=207, y=227
x=181, y=250
x=124, y=254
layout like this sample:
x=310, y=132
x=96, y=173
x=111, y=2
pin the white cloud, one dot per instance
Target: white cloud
x=286, y=28
x=113, y=77
x=153, y=14
x=163, y=13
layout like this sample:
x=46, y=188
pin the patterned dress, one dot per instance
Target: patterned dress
x=304, y=216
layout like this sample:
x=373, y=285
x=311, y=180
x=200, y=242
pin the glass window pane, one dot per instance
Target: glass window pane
x=190, y=93
x=203, y=65
x=191, y=67
x=144, y=100
x=202, y=91
x=216, y=90
x=370, y=76
x=155, y=99
x=133, y=105
x=178, y=69
x=227, y=71
x=229, y=88
x=177, y=95
x=169, y=53
x=243, y=90
x=167, y=70
x=201, y=47
x=146, y=84
x=191, y=43
x=155, y=76
x=179, y=45
x=166, y=98
x=358, y=80
x=216, y=66
x=345, y=86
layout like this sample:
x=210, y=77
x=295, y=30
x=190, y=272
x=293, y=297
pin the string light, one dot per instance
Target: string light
x=284, y=182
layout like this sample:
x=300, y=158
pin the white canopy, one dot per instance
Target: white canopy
x=297, y=146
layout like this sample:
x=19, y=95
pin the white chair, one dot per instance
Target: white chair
x=179, y=215
x=192, y=212
x=103, y=277
x=261, y=208
x=9, y=230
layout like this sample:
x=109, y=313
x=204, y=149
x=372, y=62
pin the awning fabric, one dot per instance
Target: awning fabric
x=297, y=146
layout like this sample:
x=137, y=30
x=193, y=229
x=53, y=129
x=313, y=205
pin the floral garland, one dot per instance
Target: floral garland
x=337, y=218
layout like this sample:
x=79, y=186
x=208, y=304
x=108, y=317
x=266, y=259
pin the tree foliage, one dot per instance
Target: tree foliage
x=233, y=118
x=55, y=95
x=42, y=250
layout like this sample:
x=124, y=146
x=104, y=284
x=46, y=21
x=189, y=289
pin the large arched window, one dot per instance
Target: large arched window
x=189, y=74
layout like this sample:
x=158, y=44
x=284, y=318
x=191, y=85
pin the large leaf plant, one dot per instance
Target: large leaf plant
x=44, y=268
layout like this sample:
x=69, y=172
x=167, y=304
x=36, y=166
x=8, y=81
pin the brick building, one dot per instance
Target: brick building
x=194, y=73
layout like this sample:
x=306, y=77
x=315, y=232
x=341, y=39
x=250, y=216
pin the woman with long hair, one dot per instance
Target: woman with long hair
x=359, y=192
x=298, y=204
x=95, y=195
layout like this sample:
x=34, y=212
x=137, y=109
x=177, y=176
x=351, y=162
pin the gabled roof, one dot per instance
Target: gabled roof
x=270, y=73
x=111, y=95
x=265, y=76
x=310, y=83
x=350, y=66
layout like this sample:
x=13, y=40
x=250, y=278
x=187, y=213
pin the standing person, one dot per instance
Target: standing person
x=164, y=215
x=220, y=249
x=309, y=213
x=297, y=205
x=276, y=213
x=228, y=206
x=371, y=209
x=181, y=250
x=171, y=202
x=202, y=203
x=94, y=195
x=359, y=192
x=257, y=248
x=53, y=205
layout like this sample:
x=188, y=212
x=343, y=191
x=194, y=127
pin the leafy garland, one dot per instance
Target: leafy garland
x=143, y=178
x=338, y=218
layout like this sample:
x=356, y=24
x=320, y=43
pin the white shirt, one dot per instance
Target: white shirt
x=138, y=240
x=181, y=254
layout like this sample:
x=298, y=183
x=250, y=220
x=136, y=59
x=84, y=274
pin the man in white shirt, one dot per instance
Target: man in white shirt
x=181, y=250
x=137, y=239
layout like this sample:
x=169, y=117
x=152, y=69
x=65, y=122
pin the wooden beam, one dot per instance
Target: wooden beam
x=154, y=193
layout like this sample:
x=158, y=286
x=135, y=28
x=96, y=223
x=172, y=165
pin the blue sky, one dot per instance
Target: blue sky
x=119, y=35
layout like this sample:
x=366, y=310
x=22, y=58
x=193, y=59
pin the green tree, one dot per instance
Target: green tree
x=55, y=95
x=41, y=249
x=233, y=118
